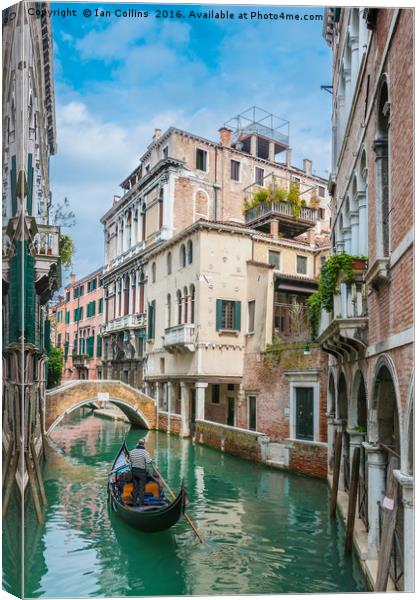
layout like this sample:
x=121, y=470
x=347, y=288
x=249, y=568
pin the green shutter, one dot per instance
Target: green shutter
x=218, y=314
x=93, y=308
x=67, y=317
x=13, y=184
x=30, y=294
x=30, y=184
x=47, y=335
x=90, y=341
x=237, y=315
x=81, y=313
x=100, y=306
x=151, y=322
x=14, y=296
x=99, y=346
x=66, y=350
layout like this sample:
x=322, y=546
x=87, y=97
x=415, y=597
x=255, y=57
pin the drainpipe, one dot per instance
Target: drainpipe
x=215, y=183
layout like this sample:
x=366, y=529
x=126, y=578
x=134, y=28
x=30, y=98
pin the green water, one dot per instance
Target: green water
x=266, y=531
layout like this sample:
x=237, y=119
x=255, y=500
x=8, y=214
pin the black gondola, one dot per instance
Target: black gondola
x=157, y=513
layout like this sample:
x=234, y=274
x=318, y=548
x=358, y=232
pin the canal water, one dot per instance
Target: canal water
x=267, y=532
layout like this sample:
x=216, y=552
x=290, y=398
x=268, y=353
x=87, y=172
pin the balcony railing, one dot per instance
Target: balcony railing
x=282, y=209
x=180, y=337
x=344, y=330
x=137, y=321
x=127, y=254
x=46, y=241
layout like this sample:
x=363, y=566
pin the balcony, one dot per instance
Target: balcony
x=123, y=323
x=124, y=257
x=343, y=332
x=180, y=338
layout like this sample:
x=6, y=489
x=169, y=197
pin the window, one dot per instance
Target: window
x=185, y=305
x=168, y=307
x=169, y=263
x=100, y=283
x=215, y=393
x=304, y=407
x=154, y=272
x=59, y=340
x=228, y=315
x=179, y=303
x=302, y=265
x=192, y=295
x=251, y=316
x=259, y=176
x=78, y=314
x=165, y=152
x=68, y=296
x=81, y=290
x=201, y=160
x=295, y=179
x=323, y=259
x=230, y=420
x=182, y=256
x=100, y=306
x=67, y=317
x=322, y=213
x=151, y=320
x=274, y=259
x=99, y=346
x=91, y=309
x=90, y=342
x=91, y=286
x=321, y=191
x=76, y=293
x=189, y=252
x=231, y=387
x=59, y=316
x=252, y=413
x=234, y=169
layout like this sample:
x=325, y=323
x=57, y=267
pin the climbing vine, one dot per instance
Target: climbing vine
x=336, y=265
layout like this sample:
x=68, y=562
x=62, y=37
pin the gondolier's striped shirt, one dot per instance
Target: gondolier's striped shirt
x=139, y=458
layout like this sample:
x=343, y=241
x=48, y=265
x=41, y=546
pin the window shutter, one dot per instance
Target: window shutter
x=47, y=333
x=99, y=346
x=93, y=307
x=66, y=350
x=30, y=184
x=238, y=316
x=151, y=322
x=13, y=184
x=29, y=285
x=89, y=346
x=67, y=317
x=218, y=314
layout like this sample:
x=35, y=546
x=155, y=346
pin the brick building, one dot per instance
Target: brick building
x=369, y=332
x=210, y=256
x=78, y=316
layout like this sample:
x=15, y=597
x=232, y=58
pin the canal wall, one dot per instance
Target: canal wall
x=239, y=442
x=170, y=423
x=309, y=458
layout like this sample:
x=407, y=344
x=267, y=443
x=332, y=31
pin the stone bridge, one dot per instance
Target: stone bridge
x=60, y=401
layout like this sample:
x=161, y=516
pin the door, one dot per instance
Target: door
x=231, y=412
x=252, y=413
x=304, y=413
x=192, y=419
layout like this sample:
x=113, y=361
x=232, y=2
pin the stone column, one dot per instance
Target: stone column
x=406, y=482
x=363, y=236
x=376, y=490
x=347, y=239
x=200, y=400
x=133, y=228
x=169, y=392
x=130, y=294
x=253, y=145
x=356, y=440
x=271, y=151
x=147, y=388
x=158, y=394
x=380, y=148
x=185, y=410
x=354, y=225
x=331, y=429
x=274, y=229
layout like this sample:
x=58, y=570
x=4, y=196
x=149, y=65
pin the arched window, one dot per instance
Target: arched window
x=179, y=303
x=161, y=208
x=185, y=305
x=192, y=296
x=168, y=308
x=182, y=256
x=141, y=293
x=143, y=222
x=126, y=294
x=154, y=272
x=169, y=262
x=189, y=252
x=381, y=148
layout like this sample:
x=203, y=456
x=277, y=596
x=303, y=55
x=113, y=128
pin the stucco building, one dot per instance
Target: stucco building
x=369, y=332
x=202, y=229
x=78, y=316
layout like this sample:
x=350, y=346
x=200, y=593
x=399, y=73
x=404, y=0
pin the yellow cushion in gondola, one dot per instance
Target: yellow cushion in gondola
x=127, y=492
x=152, y=488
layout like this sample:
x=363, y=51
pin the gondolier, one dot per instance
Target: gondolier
x=139, y=458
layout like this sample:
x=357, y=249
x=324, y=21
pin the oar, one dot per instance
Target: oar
x=188, y=518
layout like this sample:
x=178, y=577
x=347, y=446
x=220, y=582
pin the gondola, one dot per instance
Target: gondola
x=157, y=513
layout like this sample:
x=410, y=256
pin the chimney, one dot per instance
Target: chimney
x=289, y=157
x=157, y=134
x=307, y=166
x=116, y=198
x=72, y=278
x=311, y=237
x=225, y=136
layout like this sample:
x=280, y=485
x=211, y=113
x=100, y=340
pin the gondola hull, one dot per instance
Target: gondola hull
x=148, y=519
x=153, y=519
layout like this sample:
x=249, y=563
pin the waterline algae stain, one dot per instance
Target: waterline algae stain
x=266, y=531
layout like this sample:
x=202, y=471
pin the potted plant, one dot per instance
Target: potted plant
x=359, y=263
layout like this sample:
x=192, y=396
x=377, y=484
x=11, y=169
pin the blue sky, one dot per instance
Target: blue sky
x=116, y=79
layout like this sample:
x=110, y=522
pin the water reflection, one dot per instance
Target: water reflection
x=266, y=531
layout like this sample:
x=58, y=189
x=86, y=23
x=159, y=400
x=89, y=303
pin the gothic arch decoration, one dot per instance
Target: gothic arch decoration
x=407, y=457
x=331, y=398
x=386, y=403
x=201, y=205
x=381, y=148
x=342, y=402
x=358, y=406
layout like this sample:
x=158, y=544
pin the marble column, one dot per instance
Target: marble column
x=363, y=235
x=354, y=226
x=158, y=391
x=271, y=151
x=376, y=490
x=347, y=239
x=200, y=400
x=185, y=410
x=331, y=429
x=356, y=440
x=407, y=485
x=169, y=391
x=253, y=145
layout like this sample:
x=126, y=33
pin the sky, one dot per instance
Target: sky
x=117, y=79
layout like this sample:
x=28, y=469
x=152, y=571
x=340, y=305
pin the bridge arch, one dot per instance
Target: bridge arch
x=140, y=409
